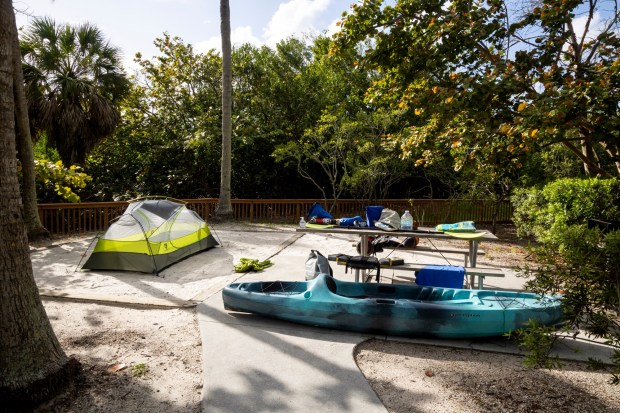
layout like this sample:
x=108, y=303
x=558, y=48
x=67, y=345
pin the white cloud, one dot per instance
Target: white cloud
x=241, y=35
x=596, y=26
x=238, y=36
x=293, y=17
x=333, y=27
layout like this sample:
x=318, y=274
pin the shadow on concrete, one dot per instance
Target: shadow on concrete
x=318, y=361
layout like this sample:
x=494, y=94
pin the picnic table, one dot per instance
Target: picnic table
x=472, y=239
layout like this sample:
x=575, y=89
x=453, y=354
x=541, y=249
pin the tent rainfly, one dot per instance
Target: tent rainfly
x=151, y=235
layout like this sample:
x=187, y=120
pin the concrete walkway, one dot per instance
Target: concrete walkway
x=255, y=364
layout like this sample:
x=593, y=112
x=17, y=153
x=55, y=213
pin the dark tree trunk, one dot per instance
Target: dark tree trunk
x=34, y=228
x=33, y=366
x=224, y=206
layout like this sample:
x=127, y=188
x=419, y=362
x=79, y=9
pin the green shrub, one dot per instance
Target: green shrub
x=582, y=264
x=565, y=202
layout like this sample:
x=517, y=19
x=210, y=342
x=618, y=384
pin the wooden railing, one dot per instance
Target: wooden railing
x=66, y=219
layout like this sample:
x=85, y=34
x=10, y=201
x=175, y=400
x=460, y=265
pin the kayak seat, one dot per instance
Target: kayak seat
x=331, y=284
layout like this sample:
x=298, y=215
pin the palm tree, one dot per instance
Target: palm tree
x=74, y=79
x=224, y=206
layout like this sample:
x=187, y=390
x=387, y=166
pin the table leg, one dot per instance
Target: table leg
x=473, y=252
x=364, y=253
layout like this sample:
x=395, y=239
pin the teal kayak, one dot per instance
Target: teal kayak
x=404, y=310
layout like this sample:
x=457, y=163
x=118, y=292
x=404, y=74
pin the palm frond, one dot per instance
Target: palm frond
x=73, y=78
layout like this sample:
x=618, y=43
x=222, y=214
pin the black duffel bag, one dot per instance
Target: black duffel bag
x=359, y=262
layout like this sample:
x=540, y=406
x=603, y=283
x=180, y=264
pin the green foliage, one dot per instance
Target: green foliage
x=580, y=263
x=42, y=150
x=55, y=183
x=565, y=202
x=169, y=138
x=538, y=342
x=482, y=81
x=615, y=375
x=345, y=152
x=139, y=370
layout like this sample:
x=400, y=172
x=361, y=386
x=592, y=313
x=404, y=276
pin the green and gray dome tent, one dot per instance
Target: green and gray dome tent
x=151, y=235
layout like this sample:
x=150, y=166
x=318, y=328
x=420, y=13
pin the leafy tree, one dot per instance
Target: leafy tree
x=33, y=366
x=342, y=153
x=277, y=98
x=480, y=80
x=74, y=80
x=327, y=148
x=376, y=167
x=168, y=141
x=348, y=154
x=170, y=136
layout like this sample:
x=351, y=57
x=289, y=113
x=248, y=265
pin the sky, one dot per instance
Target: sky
x=133, y=25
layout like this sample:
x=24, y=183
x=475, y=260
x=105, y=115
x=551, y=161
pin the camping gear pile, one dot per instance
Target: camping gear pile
x=376, y=216
x=151, y=235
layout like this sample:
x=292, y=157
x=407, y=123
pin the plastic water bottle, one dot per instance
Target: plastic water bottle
x=302, y=223
x=406, y=222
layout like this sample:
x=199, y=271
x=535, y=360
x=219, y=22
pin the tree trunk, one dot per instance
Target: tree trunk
x=34, y=228
x=33, y=366
x=224, y=207
x=588, y=153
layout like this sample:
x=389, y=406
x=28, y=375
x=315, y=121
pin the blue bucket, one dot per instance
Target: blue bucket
x=373, y=213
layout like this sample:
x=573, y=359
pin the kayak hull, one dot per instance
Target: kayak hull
x=404, y=310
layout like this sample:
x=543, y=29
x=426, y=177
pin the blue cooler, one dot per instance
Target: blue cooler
x=447, y=276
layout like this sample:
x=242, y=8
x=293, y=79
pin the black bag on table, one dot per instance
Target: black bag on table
x=359, y=262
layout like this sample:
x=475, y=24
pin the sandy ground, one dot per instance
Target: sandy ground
x=134, y=360
x=419, y=378
x=148, y=359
